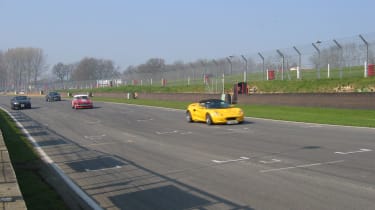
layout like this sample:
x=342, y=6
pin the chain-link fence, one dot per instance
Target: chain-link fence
x=336, y=58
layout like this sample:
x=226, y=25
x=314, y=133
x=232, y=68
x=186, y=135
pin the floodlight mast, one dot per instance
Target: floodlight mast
x=245, y=72
x=261, y=56
x=299, y=61
x=229, y=58
x=367, y=44
x=340, y=48
x=282, y=67
x=217, y=71
x=318, y=50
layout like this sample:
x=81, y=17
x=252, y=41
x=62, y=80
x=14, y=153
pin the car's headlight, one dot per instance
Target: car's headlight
x=240, y=112
x=16, y=103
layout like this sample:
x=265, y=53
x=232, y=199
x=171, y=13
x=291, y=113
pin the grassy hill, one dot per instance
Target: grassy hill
x=349, y=79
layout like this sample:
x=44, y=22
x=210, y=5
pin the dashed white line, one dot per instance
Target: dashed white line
x=270, y=161
x=103, y=169
x=302, y=166
x=352, y=152
x=143, y=120
x=166, y=132
x=233, y=160
x=95, y=137
x=174, y=132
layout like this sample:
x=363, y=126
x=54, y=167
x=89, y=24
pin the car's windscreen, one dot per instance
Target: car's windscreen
x=216, y=105
x=82, y=97
x=21, y=98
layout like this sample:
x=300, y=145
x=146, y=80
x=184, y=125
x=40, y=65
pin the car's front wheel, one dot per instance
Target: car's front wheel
x=188, y=117
x=208, y=119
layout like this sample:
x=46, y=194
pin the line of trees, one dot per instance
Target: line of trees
x=20, y=68
x=86, y=69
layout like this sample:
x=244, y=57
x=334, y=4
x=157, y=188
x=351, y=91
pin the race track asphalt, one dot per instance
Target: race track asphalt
x=137, y=157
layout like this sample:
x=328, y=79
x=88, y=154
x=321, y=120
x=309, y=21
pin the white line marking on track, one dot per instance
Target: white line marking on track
x=144, y=120
x=271, y=161
x=227, y=161
x=312, y=126
x=302, y=166
x=185, y=133
x=352, y=152
x=174, y=132
x=103, y=169
x=98, y=144
x=166, y=132
x=94, y=137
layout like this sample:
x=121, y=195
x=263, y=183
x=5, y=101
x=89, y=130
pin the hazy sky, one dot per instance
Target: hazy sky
x=131, y=32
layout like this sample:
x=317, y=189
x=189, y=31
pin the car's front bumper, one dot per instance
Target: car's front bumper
x=84, y=106
x=227, y=119
x=21, y=106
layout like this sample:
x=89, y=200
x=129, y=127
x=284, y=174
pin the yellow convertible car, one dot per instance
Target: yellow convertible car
x=214, y=111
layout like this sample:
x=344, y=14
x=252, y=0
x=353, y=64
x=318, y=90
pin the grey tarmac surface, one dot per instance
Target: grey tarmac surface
x=137, y=157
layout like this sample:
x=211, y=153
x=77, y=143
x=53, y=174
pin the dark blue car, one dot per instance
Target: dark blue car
x=53, y=96
x=20, y=102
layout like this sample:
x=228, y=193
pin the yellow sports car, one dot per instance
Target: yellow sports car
x=214, y=111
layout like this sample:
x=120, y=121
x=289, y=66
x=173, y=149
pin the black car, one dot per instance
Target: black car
x=20, y=102
x=53, y=96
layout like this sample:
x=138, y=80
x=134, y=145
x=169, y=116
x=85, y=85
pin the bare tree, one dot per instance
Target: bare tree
x=94, y=69
x=61, y=71
x=23, y=66
x=3, y=72
x=36, y=63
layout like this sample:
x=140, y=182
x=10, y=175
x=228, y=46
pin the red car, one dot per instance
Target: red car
x=81, y=102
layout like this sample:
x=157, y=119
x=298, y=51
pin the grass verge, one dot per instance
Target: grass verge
x=27, y=165
x=347, y=117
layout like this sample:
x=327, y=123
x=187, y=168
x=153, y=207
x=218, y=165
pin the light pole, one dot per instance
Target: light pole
x=261, y=56
x=299, y=61
x=229, y=58
x=340, y=48
x=318, y=50
x=204, y=72
x=217, y=71
x=193, y=70
x=245, y=72
x=366, y=43
x=282, y=67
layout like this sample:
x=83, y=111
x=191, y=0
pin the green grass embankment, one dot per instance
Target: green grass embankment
x=348, y=117
x=27, y=166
